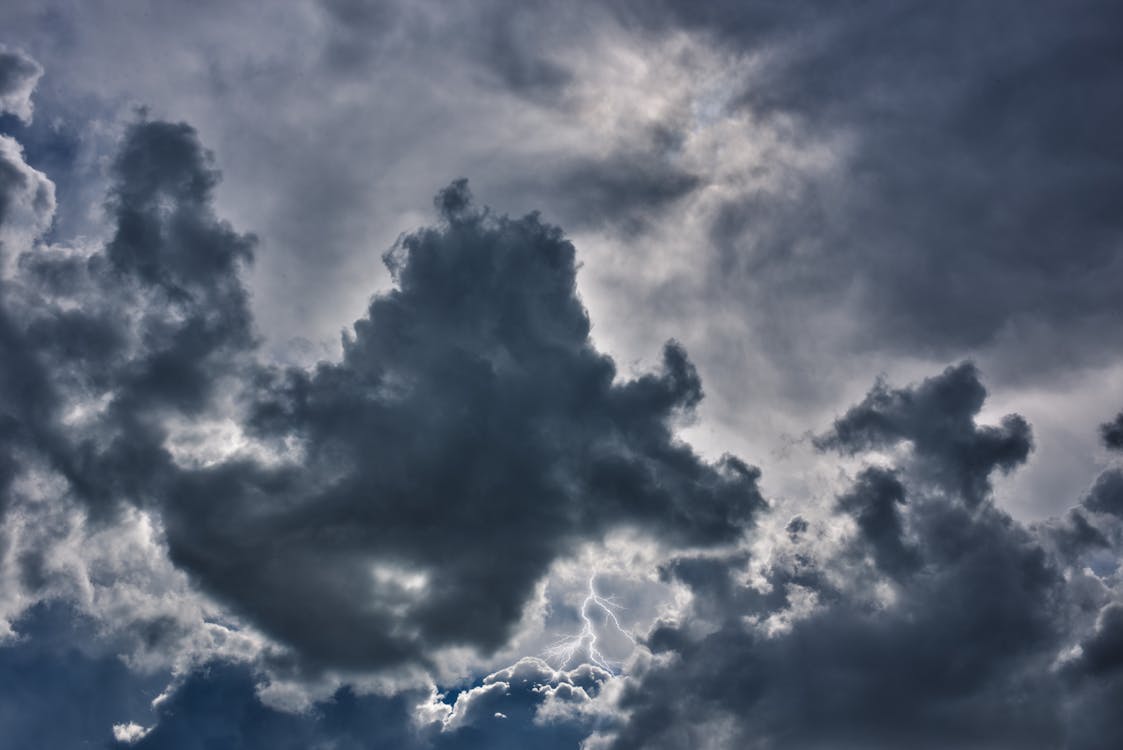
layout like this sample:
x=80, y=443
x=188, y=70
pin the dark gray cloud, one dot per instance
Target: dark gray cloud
x=1106, y=495
x=1075, y=536
x=831, y=181
x=1102, y=652
x=27, y=399
x=873, y=503
x=975, y=205
x=469, y=436
x=1097, y=676
x=1112, y=432
x=150, y=324
x=937, y=419
x=962, y=650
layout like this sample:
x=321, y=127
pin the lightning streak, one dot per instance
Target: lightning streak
x=566, y=650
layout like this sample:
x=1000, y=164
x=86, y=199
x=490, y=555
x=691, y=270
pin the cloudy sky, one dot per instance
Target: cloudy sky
x=603, y=375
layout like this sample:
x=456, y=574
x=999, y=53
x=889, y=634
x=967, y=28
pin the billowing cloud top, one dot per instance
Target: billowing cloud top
x=469, y=436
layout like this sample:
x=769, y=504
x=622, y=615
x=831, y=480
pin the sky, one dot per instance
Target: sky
x=596, y=375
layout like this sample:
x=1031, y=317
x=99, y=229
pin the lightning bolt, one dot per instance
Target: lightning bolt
x=566, y=650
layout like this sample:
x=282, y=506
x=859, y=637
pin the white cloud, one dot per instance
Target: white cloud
x=30, y=207
x=20, y=76
x=129, y=733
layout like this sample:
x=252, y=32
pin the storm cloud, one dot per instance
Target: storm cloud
x=941, y=620
x=469, y=436
x=498, y=508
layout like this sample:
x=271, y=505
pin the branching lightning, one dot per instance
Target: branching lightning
x=567, y=650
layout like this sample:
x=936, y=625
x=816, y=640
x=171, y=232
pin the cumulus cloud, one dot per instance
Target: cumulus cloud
x=470, y=435
x=98, y=350
x=341, y=554
x=1106, y=494
x=941, y=622
x=129, y=733
x=526, y=704
x=937, y=419
x=27, y=201
x=218, y=704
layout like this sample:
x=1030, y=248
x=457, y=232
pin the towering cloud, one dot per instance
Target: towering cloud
x=406, y=500
x=470, y=436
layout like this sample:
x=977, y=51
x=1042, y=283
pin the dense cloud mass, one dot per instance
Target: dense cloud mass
x=941, y=621
x=469, y=436
x=496, y=509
